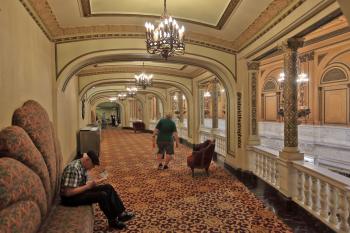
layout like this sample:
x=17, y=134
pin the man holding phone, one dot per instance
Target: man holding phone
x=76, y=190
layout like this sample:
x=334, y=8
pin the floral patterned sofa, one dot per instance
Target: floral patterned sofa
x=30, y=170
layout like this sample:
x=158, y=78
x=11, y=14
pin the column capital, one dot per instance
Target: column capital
x=292, y=44
x=253, y=65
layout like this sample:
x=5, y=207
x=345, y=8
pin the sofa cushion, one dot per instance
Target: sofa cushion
x=64, y=219
x=19, y=183
x=23, y=217
x=15, y=142
x=33, y=118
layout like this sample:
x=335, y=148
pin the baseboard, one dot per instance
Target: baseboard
x=186, y=143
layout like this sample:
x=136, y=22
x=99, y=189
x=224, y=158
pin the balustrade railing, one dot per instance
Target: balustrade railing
x=220, y=140
x=324, y=194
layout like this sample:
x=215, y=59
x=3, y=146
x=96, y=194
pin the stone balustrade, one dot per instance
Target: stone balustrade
x=324, y=194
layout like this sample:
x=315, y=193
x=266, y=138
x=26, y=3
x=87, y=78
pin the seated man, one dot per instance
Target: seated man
x=76, y=190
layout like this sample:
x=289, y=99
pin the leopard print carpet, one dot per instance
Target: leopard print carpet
x=171, y=200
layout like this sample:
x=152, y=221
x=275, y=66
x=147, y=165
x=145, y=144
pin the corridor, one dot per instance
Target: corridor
x=172, y=200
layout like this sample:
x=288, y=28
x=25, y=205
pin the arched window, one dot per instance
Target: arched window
x=269, y=86
x=335, y=74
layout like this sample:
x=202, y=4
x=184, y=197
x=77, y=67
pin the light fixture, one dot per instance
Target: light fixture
x=122, y=96
x=207, y=94
x=111, y=99
x=143, y=80
x=167, y=39
x=302, y=77
x=131, y=91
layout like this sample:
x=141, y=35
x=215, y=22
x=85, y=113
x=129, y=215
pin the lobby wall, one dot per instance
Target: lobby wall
x=26, y=62
x=68, y=120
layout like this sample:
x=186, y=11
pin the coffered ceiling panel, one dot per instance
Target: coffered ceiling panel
x=220, y=22
x=209, y=11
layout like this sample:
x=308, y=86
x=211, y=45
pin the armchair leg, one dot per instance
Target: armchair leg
x=207, y=171
x=192, y=172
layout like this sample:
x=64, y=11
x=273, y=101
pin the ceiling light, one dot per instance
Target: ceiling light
x=143, y=80
x=167, y=39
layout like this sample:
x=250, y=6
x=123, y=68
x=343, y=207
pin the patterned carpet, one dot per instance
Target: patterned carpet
x=173, y=201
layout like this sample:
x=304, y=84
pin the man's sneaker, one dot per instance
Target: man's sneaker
x=165, y=167
x=126, y=216
x=160, y=166
x=116, y=224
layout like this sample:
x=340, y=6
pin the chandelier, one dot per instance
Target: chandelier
x=167, y=39
x=143, y=80
x=122, y=96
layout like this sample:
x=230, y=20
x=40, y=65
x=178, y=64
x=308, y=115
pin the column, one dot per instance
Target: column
x=201, y=107
x=290, y=150
x=157, y=109
x=215, y=109
x=253, y=69
x=180, y=107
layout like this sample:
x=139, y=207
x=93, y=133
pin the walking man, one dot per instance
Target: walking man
x=165, y=132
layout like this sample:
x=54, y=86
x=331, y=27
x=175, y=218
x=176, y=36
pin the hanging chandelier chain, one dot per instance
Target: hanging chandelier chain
x=165, y=13
x=167, y=39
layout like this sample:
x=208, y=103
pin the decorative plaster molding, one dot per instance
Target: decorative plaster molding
x=252, y=34
x=42, y=14
x=86, y=9
x=305, y=57
x=253, y=65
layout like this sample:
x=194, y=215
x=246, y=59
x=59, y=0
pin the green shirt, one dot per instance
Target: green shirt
x=166, y=129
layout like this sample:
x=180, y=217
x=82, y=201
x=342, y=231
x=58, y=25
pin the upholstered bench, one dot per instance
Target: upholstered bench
x=30, y=171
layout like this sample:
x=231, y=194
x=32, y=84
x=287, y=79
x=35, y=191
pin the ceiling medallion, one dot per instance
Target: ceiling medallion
x=167, y=39
x=143, y=80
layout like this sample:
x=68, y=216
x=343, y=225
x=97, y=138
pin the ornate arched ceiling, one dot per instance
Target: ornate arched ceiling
x=221, y=24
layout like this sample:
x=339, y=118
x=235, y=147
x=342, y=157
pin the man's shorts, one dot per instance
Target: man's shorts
x=166, y=147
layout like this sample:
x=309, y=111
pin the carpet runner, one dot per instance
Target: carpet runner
x=171, y=200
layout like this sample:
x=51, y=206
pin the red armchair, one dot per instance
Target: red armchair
x=138, y=125
x=201, y=156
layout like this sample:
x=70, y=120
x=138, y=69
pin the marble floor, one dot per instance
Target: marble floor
x=289, y=212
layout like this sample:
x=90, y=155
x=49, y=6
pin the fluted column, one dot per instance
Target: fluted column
x=253, y=68
x=215, y=109
x=201, y=106
x=290, y=150
x=157, y=109
x=180, y=107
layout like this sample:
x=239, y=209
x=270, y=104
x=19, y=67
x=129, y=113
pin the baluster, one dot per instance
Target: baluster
x=256, y=163
x=343, y=211
x=264, y=167
x=260, y=165
x=324, y=200
x=307, y=190
x=315, y=196
x=268, y=169
x=300, y=187
x=333, y=205
x=273, y=171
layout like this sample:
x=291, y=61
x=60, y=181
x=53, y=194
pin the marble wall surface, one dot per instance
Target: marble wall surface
x=329, y=146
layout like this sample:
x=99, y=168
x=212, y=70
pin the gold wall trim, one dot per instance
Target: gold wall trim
x=86, y=10
x=272, y=11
